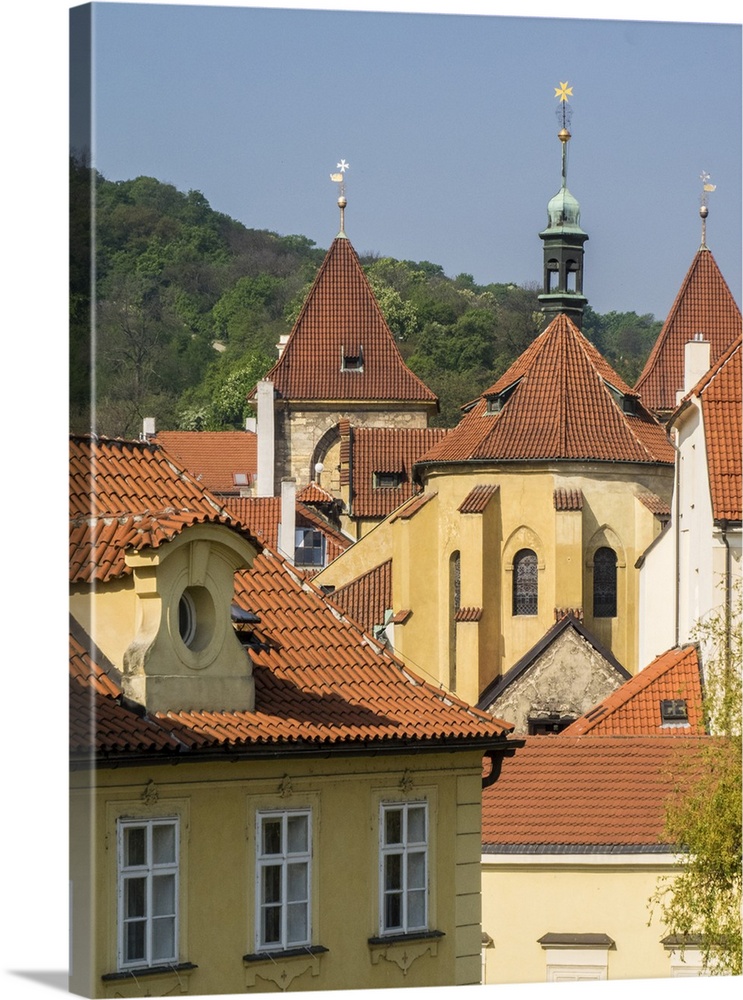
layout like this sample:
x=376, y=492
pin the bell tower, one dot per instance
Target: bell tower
x=563, y=238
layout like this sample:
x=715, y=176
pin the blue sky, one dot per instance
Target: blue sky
x=634, y=171
x=448, y=124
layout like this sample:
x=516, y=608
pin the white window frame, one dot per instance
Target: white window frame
x=405, y=849
x=282, y=860
x=149, y=870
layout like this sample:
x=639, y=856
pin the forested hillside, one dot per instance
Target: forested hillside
x=186, y=306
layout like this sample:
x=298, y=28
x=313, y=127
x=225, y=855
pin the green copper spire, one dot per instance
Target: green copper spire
x=563, y=238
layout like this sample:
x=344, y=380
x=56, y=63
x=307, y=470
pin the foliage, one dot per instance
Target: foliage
x=703, y=816
x=185, y=302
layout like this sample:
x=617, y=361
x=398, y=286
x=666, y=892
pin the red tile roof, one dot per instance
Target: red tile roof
x=413, y=506
x=478, y=498
x=320, y=682
x=384, y=449
x=704, y=304
x=561, y=794
x=564, y=499
x=214, y=457
x=128, y=495
x=314, y=494
x=655, y=504
x=721, y=396
x=634, y=708
x=262, y=515
x=556, y=403
x=368, y=597
x=468, y=614
x=341, y=317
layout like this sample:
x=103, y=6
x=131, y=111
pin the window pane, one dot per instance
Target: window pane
x=271, y=882
x=134, y=897
x=416, y=825
x=416, y=909
x=271, y=925
x=393, y=871
x=605, y=583
x=134, y=846
x=163, y=895
x=163, y=939
x=271, y=836
x=163, y=844
x=297, y=835
x=525, y=583
x=296, y=878
x=134, y=947
x=393, y=826
x=393, y=911
x=296, y=923
x=416, y=871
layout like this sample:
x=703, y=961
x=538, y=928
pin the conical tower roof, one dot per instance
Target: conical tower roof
x=703, y=305
x=341, y=347
x=560, y=400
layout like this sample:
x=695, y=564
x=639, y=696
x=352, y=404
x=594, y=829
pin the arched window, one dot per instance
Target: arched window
x=455, y=598
x=525, y=585
x=605, y=583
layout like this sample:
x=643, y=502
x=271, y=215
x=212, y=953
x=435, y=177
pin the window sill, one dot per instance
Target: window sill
x=273, y=956
x=402, y=938
x=148, y=970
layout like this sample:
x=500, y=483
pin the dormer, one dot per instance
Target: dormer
x=184, y=653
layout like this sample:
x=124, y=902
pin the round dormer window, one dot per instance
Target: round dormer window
x=196, y=618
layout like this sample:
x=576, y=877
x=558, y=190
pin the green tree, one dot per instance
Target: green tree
x=703, y=815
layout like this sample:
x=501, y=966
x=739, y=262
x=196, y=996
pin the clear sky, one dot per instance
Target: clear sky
x=398, y=188
x=448, y=124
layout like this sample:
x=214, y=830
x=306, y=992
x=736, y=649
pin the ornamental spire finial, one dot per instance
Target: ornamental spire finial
x=564, y=116
x=340, y=180
x=703, y=209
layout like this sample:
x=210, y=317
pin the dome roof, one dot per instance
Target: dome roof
x=564, y=211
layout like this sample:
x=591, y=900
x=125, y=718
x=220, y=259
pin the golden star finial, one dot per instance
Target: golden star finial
x=563, y=91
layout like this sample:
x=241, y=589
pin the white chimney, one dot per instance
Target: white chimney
x=264, y=406
x=148, y=428
x=283, y=338
x=696, y=360
x=287, y=532
x=250, y=424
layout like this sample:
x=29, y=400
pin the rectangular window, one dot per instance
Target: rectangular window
x=388, y=480
x=309, y=547
x=283, y=880
x=148, y=892
x=403, y=867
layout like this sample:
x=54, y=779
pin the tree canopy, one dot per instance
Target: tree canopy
x=187, y=305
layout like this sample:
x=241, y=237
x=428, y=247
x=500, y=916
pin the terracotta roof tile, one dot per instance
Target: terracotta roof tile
x=341, y=317
x=262, y=515
x=704, y=304
x=129, y=495
x=721, y=395
x=386, y=450
x=478, y=498
x=468, y=615
x=314, y=494
x=214, y=458
x=655, y=504
x=634, y=708
x=413, y=506
x=319, y=679
x=558, y=794
x=565, y=499
x=556, y=403
x=367, y=598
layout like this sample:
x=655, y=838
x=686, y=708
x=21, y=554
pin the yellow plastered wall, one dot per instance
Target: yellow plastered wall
x=216, y=805
x=582, y=896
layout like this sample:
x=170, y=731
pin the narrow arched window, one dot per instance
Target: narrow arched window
x=605, y=583
x=455, y=599
x=525, y=583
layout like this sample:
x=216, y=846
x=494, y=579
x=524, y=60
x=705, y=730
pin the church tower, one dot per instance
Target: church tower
x=563, y=238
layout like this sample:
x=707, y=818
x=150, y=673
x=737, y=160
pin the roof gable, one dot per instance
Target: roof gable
x=341, y=319
x=704, y=304
x=559, y=400
x=634, y=708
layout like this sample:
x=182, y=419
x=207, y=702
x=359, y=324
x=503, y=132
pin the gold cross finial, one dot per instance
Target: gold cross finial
x=563, y=91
